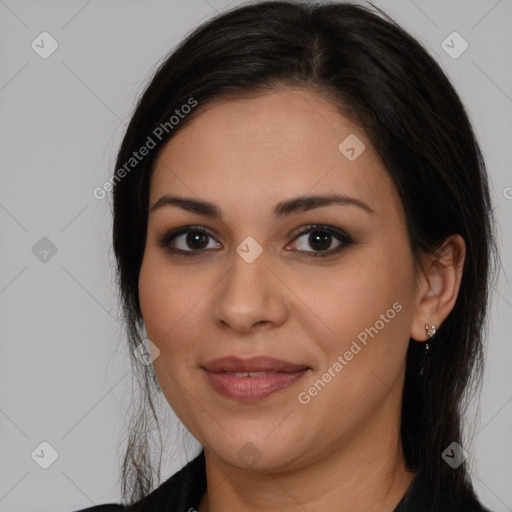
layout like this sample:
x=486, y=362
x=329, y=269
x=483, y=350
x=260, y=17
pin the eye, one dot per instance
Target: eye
x=188, y=241
x=194, y=240
x=321, y=239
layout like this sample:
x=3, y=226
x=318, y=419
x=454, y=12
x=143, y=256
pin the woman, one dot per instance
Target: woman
x=304, y=235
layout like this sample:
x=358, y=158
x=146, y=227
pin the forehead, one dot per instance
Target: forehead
x=269, y=147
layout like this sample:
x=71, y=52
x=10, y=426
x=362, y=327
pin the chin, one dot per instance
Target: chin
x=256, y=455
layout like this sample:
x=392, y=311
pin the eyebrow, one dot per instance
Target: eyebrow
x=282, y=209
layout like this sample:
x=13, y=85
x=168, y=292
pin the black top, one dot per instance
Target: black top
x=183, y=491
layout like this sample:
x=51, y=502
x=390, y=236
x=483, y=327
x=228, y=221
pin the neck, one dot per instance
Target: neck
x=371, y=475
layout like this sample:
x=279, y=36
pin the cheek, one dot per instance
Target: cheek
x=362, y=317
x=169, y=302
x=166, y=300
x=344, y=302
x=362, y=365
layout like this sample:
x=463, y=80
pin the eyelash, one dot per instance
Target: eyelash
x=343, y=237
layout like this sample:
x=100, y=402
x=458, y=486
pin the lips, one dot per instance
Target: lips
x=252, y=379
x=252, y=364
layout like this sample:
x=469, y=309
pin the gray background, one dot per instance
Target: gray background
x=64, y=375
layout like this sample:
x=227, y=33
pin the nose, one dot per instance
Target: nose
x=250, y=295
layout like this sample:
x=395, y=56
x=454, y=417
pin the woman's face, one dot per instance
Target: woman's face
x=334, y=303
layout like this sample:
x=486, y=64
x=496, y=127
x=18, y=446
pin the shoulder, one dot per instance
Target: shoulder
x=181, y=492
x=472, y=504
x=420, y=498
x=112, y=507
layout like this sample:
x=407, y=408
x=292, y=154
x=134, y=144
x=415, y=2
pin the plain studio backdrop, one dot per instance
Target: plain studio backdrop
x=69, y=77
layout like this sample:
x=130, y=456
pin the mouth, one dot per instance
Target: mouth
x=255, y=364
x=250, y=374
x=252, y=379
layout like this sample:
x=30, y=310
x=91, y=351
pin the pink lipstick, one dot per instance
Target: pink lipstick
x=253, y=378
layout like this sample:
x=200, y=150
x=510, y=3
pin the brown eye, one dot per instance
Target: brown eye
x=188, y=241
x=196, y=240
x=321, y=240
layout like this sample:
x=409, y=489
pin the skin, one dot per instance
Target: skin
x=342, y=450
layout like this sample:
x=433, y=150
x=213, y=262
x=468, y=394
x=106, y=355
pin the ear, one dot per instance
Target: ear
x=439, y=286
